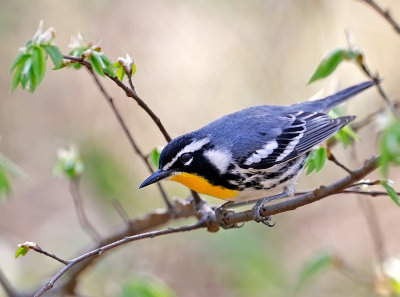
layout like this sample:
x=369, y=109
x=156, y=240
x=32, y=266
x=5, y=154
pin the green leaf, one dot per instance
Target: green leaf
x=133, y=69
x=120, y=72
x=38, y=63
x=33, y=80
x=25, y=74
x=314, y=266
x=316, y=161
x=390, y=147
x=154, y=156
x=391, y=192
x=109, y=67
x=17, y=78
x=21, y=251
x=19, y=60
x=332, y=61
x=97, y=63
x=55, y=55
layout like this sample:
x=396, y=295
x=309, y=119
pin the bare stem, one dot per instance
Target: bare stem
x=124, y=127
x=384, y=13
x=38, y=249
x=331, y=157
x=80, y=211
x=102, y=250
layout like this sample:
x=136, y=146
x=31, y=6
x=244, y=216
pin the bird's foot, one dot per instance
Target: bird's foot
x=257, y=213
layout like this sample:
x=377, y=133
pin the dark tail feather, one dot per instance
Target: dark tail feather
x=329, y=102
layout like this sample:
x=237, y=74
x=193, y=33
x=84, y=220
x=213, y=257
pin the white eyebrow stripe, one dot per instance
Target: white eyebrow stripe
x=190, y=148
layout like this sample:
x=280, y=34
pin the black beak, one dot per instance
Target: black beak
x=155, y=177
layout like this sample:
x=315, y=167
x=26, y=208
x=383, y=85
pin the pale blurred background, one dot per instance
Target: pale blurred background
x=196, y=61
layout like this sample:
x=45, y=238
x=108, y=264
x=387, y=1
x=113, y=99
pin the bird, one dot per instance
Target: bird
x=253, y=154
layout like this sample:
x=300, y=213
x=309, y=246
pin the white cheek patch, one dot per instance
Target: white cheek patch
x=220, y=159
x=262, y=153
x=190, y=148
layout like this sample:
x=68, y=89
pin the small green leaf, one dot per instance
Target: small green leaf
x=391, y=192
x=19, y=60
x=25, y=74
x=109, y=67
x=38, y=63
x=33, y=80
x=316, y=161
x=21, y=251
x=314, y=266
x=390, y=147
x=154, y=156
x=133, y=69
x=97, y=63
x=17, y=78
x=120, y=72
x=327, y=65
x=55, y=55
x=332, y=61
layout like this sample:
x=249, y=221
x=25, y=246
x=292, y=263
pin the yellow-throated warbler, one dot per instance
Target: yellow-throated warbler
x=253, y=153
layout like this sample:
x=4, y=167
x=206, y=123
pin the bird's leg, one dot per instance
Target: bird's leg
x=287, y=192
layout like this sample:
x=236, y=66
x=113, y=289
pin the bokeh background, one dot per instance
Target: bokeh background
x=196, y=61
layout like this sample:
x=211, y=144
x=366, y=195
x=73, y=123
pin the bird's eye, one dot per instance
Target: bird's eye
x=186, y=158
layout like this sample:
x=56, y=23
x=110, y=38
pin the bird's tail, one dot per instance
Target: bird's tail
x=329, y=102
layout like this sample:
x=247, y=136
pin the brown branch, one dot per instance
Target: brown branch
x=80, y=211
x=105, y=248
x=152, y=220
x=39, y=250
x=124, y=127
x=384, y=13
x=130, y=92
x=211, y=221
x=331, y=157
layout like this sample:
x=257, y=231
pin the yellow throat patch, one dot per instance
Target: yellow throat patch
x=201, y=185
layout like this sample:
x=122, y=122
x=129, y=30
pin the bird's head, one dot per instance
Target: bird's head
x=194, y=162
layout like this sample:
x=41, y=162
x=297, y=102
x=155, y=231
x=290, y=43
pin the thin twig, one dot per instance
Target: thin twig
x=374, y=229
x=384, y=13
x=80, y=211
x=130, y=93
x=368, y=193
x=124, y=127
x=38, y=249
x=381, y=91
x=102, y=250
x=331, y=157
